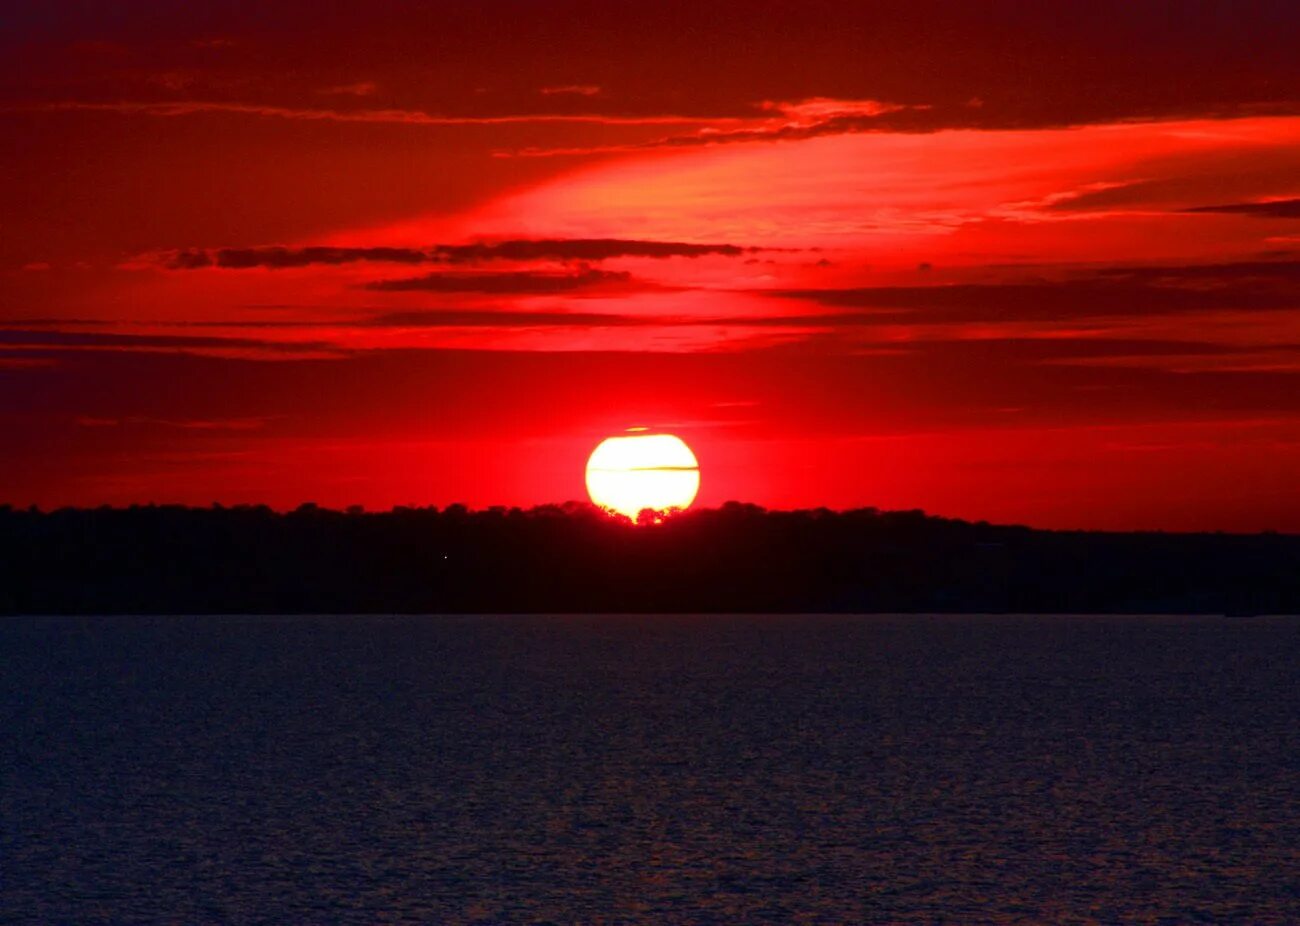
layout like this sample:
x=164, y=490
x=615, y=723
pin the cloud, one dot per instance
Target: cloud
x=1115, y=291
x=573, y=89
x=1011, y=302
x=823, y=342
x=25, y=363
x=802, y=119
x=361, y=88
x=779, y=120
x=1269, y=208
x=817, y=109
x=378, y=116
x=816, y=117
x=468, y=318
x=108, y=340
x=585, y=249
x=1254, y=187
x=503, y=318
x=282, y=258
x=767, y=120
x=935, y=380
x=558, y=249
x=1228, y=274
x=1106, y=195
x=526, y=282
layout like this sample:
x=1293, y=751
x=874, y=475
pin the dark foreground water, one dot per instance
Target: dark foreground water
x=650, y=770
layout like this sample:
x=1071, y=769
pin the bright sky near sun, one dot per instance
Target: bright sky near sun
x=907, y=255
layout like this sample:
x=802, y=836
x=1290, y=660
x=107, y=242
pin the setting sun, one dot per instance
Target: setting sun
x=629, y=474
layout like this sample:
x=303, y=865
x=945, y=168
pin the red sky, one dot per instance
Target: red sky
x=994, y=262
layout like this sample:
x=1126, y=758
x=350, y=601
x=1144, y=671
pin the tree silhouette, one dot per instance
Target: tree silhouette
x=575, y=557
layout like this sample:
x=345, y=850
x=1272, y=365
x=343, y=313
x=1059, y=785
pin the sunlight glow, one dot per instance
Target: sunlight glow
x=627, y=475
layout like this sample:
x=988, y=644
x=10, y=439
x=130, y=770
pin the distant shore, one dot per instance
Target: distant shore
x=574, y=558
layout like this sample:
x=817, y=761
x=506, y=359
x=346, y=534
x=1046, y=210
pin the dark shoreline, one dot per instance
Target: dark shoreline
x=574, y=559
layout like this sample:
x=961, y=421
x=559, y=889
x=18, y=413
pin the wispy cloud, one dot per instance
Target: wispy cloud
x=571, y=89
x=1111, y=292
x=470, y=318
x=769, y=120
x=818, y=117
x=359, y=89
x=818, y=109
x=1264, y=209
x=524, y=282
x=797, y=119
x=112, y=340
x=383, y=116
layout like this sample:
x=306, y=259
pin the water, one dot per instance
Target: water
x=601, y=769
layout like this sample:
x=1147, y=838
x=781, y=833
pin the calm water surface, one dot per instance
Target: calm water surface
x=602, y=769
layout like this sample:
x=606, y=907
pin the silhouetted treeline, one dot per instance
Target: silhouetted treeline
x=164, y=559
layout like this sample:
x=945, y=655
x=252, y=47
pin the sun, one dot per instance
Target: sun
x=631, y=473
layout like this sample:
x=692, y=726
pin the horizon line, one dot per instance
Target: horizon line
x=572, y=507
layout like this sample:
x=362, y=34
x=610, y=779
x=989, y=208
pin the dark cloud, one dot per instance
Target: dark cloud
x=1271, y=209
x=1229, y=274
x=1028, y=64
x=1051, y=350
x=523, y=283
x=1118, y=291
x=558, y=249
x=178, y=81
x=54, y=322
x=281, y=258
x=917, y=119
x=587, y=249
x=16, y=337
x=187, y=260
x=904, y=118
x=1129, y=195
x=1246, y=182
x=469, y=318
x=578, y=89
x=920, y=119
